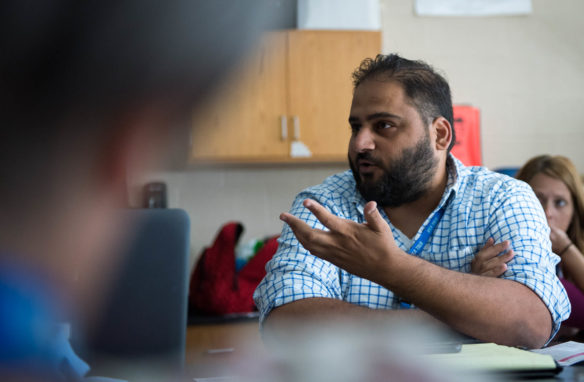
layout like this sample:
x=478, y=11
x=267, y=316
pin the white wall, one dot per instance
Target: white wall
x=526, y=74
x=254, y=196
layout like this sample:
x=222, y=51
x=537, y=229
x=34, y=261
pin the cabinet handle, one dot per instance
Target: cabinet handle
x=284, y=128
x=296, y=121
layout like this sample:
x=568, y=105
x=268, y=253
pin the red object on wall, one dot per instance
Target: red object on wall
x=467, y=147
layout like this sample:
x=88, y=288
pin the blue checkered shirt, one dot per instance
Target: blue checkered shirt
x=485, y=204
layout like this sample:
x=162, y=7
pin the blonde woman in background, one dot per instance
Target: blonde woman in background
x=558, y=186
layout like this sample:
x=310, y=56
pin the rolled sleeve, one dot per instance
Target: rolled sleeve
x=521, y=220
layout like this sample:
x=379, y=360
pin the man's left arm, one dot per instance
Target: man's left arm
x=490, y=309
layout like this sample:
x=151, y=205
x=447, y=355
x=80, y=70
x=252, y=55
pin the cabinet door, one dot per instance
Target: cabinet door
x=243, y=121
x=320, y=86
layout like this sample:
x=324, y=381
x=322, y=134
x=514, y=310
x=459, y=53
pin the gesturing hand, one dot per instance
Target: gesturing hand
x=365, y=250
x=488, y=262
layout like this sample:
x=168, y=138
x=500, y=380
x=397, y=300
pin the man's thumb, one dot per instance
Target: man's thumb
x=373, y=217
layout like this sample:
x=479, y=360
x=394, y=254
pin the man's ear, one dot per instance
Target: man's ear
x=443, y=133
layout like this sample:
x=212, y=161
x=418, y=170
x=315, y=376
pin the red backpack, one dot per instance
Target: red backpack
x=216, y=288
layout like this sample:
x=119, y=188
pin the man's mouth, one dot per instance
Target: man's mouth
x=365, y=166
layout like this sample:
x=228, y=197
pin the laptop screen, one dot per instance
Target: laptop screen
x=144, y=318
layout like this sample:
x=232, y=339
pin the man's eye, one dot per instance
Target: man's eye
x=384, y=125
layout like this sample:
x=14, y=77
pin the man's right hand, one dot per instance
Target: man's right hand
x=366, y=250
x=488, y=262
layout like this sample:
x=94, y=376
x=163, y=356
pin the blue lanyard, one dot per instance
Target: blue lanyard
x=417, y=247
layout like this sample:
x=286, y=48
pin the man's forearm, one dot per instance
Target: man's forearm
x=329, y=310
x=487, y=308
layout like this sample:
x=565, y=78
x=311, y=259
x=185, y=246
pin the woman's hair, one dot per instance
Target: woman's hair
x=561, y=168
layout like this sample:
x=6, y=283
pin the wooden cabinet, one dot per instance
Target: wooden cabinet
x=296, y=88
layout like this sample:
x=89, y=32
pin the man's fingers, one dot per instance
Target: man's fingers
x=496, y=266
x=296, y=224
x=373, y=217
x=312, y=239
x=501, y=247
x=492, y=259
x=327, y=219
x=301, y=230
x=507, y=256
x=496, y=270
x=489, y=243
x=485, y=254
x=490, y=251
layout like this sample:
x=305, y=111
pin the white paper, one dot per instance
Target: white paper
x=473, y=7
x=565, y=354
x=339, y=14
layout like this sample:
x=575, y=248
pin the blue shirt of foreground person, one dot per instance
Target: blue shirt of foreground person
x=401, y=228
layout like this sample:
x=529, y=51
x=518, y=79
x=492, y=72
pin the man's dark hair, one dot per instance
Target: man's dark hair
x=428, y=90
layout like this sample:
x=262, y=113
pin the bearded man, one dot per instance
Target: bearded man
x=394, y=237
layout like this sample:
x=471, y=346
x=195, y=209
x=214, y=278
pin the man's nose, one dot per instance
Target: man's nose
x=364, y=140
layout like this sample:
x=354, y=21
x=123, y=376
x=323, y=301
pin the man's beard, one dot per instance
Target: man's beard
x=405, y=180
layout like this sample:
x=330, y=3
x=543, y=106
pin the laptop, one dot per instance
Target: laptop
x=144, y=319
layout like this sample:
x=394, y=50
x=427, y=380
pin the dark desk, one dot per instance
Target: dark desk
x=569, y=374
x=214, y=341
x=213, y=344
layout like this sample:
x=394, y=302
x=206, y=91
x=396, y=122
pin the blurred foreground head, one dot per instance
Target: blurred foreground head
x=90, y=90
